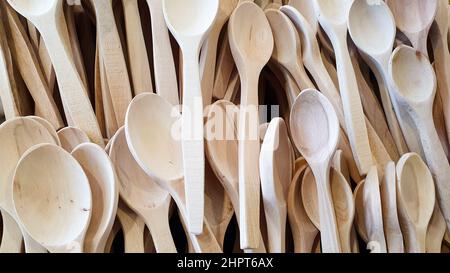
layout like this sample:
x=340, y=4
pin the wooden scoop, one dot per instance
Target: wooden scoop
x=71, y=137
x=52, y=198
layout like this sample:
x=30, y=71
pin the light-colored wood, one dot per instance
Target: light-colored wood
x=339, y=163
x=48, y=18
x=71, y=137
x=388, y=190
x=11, y=241
x=287, y=49
x=47, y=66
x=416, y=94
x=133, y=227
x=142, y=194
x=49, y=128
x=160, y=155
x=310, y=197
x=311, y=112
x=372, y=28
x=208, y=55
x=190, y=35
x=224, y=69
x=306, y=8
x=30, y=70
x=406, y=13
x=113, y=59
x=104, y=186
x=360, y=213
x=415, y=200
x=438, y=36
x=116, y=228
x=251, y=43
x=52, y=198
x=222, y=152
x=435, y=231
x=315, y=65
x=303, y=230
x=275, y=167
x=163, y=60
x=18, y=135
x=332, y=16
x=141, y=75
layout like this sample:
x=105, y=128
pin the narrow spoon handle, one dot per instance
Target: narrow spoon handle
x=11, y=241
x=158, y=223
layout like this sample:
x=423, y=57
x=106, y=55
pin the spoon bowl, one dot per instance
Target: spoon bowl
x=52, y=198
x=32, y=8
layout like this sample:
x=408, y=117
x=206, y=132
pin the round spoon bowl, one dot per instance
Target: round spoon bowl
x=372, y=26
x=52, y=196
x=407, y=13
x=151, y=117
x=311, y=113
x=32, y=8
x=190, y=18
x=413, y=75
x=250, y=35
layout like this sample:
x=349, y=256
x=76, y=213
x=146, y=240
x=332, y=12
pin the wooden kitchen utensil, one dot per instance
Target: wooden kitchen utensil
x=435, y=231
x=415, y=199
x=104, y=185
x=251, y=44
x=48, y=18
x=275, y=167
x=159, y=155
x=388, y=190
x=416, y=94
x=49, y=128
x=332, y=16
x=133, y=227
x=142, y=194
x=306, y=8
x=311, y=111
x=406, y=13
x=190, y=23
x=71, y=137
x=52, y=198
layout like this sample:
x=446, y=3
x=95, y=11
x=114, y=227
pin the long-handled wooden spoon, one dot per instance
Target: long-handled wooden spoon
x=406, y=14
x=48, y=126
x=416, y=200
x=142, y=194
x=71, y=137
x=332, y=16
x=48, y=17
x=435, y=231
x=251, y=44
x=154, y=141
x=416, y=95
x=311, y=111
x=52, y=198
x=275, y=166
x=190, y=23
x=105, y=194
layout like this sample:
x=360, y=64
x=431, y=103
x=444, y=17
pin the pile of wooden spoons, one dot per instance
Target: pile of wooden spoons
x=220, y=126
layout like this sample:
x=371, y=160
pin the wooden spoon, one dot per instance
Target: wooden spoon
x=52, y=198
x=71, y=137
x=303, y=230
x=340, y=164
x=142, y=194
x=372, y=28
x=18, y=135
x=48, y=18
x=416, y=200
x=48, y=126
x=332, y=16
x=105, y=194
x=133, y=227
x=251, y=44
x=392, y=231
x=275, y=167
x=159, y=155
x=406, y=13
x=435, y=231
x=190, y=23
x=416, y=94
x=310, y=112
x=287, y=49
x=306, y=8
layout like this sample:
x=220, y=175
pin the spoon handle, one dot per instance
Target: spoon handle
x=133, y=227
x=11, y=241
x=158, y=223
x=192, y=140
x=276, y=227
x=72, y=90
x=165, y=75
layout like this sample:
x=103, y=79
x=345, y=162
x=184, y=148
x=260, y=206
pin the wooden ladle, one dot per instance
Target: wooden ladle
x=416, y=95
x=416, y=200
x=190, y=23
x=52, y=198
x=251, y=43
x=142, y=194
x=48, y=18
x=310, y=112
x=105, y=194
x=154, y=142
